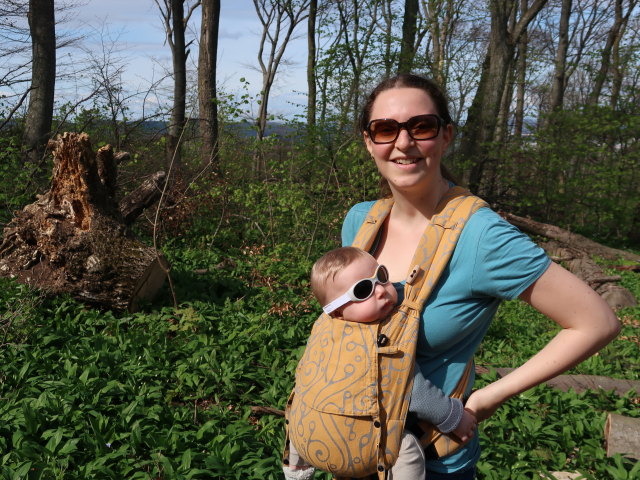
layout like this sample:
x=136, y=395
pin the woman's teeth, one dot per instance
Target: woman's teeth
x=405, y=161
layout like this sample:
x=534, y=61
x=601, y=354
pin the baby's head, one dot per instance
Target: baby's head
x=349, y=283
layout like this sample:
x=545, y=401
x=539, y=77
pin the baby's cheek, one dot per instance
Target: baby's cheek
x=393, y=293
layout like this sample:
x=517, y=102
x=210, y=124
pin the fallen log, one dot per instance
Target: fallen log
x=569, y=238
x=622, y=435
x=576, y=252
x=581, y=264
x=73, y=239
x=142, y=197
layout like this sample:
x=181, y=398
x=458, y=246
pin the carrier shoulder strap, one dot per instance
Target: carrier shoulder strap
x=436, y=245
x=400, y=332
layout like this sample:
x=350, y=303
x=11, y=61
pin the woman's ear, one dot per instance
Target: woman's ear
x=368, y=143
x=447, y=134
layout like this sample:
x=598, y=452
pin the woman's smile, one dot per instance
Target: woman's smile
x=406, y=161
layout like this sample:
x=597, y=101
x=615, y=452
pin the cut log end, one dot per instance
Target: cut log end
x=622, y=435
x=150, y=283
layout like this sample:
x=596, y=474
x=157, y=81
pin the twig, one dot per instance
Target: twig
x=259, y=410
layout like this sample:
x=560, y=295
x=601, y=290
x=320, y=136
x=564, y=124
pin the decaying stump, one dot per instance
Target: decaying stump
x=576, y=252
x=74, y=239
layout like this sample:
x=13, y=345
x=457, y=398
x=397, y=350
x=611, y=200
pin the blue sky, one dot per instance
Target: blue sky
x=140, y=37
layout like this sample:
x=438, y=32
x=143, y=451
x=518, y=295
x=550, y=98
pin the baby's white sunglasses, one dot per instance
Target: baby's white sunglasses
x=359, y=291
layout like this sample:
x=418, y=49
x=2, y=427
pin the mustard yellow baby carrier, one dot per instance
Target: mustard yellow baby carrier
x=353, y=384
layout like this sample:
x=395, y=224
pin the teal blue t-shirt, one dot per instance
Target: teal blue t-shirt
x=492, y=261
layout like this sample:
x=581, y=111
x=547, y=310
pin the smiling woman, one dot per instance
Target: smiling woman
x=492, y=261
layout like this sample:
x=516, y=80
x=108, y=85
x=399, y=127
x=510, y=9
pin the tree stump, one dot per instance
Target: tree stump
x=73, y=239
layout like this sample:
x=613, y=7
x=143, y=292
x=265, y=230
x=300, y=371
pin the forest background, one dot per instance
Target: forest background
x=545, y=96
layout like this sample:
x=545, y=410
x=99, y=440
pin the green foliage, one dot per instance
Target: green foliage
x=578, y=172
x=18, y=181
x=159, y=395
x=167, y=393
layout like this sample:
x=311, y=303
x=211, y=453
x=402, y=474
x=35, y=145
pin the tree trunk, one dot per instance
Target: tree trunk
x=483, y=113
x=618, y=67
x=73, y=239
x=407, y=47
x=311, y=64
x=43, y=78
x=560, y=70
x=615, y=32
x=207, y=94
x=179, y=58
x=521, y=78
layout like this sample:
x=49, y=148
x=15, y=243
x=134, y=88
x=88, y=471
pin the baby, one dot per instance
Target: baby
x=352, y=287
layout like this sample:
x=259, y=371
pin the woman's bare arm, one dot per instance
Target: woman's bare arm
x=587, y=322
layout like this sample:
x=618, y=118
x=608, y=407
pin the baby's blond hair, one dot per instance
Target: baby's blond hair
x=328, y=265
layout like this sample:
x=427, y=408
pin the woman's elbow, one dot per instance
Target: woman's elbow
x=610, y=327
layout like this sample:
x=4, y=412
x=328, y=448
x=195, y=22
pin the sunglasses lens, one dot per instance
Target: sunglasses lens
x=363, y=289
x=423, y=127
x=382, y=274
x=383, y=130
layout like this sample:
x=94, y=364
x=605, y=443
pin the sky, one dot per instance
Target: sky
x=138, y=28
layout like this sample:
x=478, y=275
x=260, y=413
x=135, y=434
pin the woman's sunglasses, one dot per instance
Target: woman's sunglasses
x=359, y=291
x=420, y=127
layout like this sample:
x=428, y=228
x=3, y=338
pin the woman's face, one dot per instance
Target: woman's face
x=408, y=164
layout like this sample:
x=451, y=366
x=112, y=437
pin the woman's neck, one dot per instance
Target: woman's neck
x=414, y=206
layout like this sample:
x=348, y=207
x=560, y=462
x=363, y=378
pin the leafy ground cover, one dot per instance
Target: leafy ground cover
x=167, y=393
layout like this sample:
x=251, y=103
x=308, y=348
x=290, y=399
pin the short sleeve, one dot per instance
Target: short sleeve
x=507, y=261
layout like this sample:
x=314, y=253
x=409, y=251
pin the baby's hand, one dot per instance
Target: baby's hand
x=466, y=427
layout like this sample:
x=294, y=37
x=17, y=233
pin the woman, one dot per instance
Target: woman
x=407, y=128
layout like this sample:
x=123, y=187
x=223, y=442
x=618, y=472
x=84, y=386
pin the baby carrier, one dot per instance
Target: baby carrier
x=347, y=411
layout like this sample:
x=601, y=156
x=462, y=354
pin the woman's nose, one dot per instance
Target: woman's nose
x=404, y=140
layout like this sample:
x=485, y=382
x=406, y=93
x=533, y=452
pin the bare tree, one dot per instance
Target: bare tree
x=586, y=22
x=15, y=45
x=278, y=18
x=387, y=37
x=43, y=78
x=613, y=37
x=175, y=24
x=621, y=56
x=449, y=42
x=207, y=94
x=358, y=22
x=484, y=110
